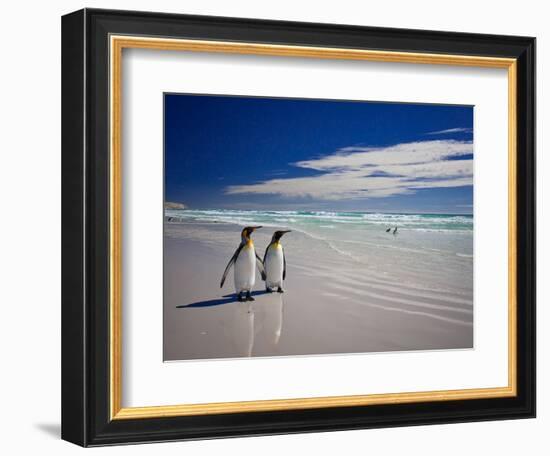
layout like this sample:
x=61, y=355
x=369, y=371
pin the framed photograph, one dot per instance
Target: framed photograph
x=277, y=227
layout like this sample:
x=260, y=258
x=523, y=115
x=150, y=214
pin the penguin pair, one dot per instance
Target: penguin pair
x=245, y=259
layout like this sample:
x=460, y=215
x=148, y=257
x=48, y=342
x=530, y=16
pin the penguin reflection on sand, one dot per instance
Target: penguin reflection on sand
x=275, y=263
x=245, y=259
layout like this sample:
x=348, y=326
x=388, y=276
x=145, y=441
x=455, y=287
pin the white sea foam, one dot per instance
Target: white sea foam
x=408, y=221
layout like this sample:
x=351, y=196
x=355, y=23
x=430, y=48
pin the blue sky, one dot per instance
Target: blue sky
x=299, y=154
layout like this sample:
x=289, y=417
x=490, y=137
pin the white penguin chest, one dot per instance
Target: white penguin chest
x=245, y=268
x=274, y=264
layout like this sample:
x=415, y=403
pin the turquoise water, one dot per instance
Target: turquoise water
x=326, y=219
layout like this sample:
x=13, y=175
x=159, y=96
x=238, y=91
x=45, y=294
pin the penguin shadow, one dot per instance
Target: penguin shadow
x=225, y=299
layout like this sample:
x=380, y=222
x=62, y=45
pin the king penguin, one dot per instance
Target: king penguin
x=275, y=263
x=245, y=260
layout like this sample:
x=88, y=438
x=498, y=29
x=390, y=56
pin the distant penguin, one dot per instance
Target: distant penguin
x=275, y=263
x=395, y=230
x=245, y=260
x=388, y=230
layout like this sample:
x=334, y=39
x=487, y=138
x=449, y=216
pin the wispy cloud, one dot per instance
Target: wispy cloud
x=450, y=131
x=374, y=172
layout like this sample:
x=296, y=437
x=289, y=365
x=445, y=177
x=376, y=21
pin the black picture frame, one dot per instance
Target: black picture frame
x=85, y=225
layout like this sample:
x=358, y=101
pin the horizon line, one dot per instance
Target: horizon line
x=329, y=210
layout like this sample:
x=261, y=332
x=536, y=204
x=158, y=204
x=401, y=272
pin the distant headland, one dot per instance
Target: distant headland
x=172, y=205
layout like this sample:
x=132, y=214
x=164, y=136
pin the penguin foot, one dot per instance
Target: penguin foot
x=249, y=297
x=280, y=290
x=268, y=290
x=241, y=298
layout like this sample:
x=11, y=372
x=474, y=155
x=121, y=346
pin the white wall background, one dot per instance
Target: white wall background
x=30, y=192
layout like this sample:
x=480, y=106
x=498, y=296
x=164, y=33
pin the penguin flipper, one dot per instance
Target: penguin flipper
x=264, y=275
x=261, y=267
x=284, y=265
x=265, y=254
x=231, y=262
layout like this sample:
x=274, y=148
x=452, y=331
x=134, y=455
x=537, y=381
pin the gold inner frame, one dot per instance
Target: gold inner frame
x=117, y=44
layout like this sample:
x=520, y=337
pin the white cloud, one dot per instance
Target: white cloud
x=368, y=172
x=450, y=130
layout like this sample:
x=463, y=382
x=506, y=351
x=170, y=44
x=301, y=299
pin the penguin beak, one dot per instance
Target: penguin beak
x=256, y=227
x=279, y=234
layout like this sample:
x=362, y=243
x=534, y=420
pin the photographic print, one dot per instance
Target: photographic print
x=314, y=227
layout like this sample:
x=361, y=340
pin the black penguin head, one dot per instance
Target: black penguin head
x=246, y=232
x=278, y=235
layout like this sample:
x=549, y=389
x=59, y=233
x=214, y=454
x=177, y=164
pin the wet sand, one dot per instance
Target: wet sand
x=332, y=303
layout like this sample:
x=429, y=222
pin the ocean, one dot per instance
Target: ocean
x=329, y=219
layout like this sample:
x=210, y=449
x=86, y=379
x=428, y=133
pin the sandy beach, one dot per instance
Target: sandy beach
x=377, y=297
